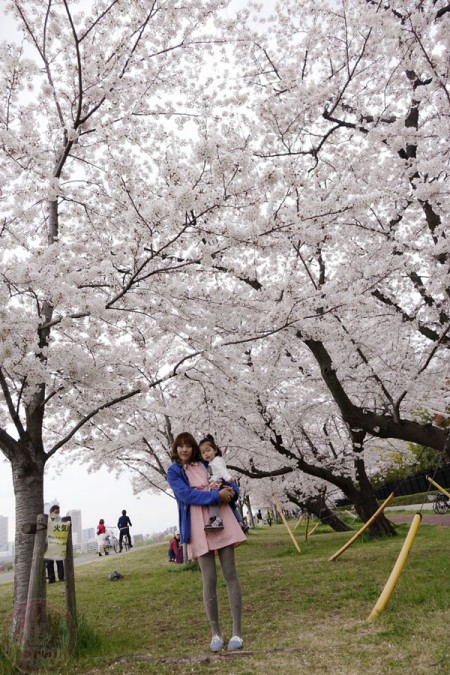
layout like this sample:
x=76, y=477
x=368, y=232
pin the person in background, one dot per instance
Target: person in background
x=188, y=478
x=174, y=545
x=124, y=524
x=50, y=564
x=101, y=537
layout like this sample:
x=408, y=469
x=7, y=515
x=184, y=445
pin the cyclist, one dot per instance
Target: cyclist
x=124, y=524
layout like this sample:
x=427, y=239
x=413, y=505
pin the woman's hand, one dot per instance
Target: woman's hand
x=226, y=494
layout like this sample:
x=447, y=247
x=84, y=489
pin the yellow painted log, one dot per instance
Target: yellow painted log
x=280, y=511
x=306, y=528
x=438, y=487
x=364, y=527
x=314, y=528
x=299, y=521
x=397, y=569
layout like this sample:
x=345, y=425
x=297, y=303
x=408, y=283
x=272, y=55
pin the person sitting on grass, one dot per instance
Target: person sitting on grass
x=174, y=545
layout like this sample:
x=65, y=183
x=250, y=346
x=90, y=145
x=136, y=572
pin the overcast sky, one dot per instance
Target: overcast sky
x=98, y=495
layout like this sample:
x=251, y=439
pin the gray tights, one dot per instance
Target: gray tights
x=209, y=575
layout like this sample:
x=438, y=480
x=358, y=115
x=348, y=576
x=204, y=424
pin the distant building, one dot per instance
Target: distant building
x=89, y=534
x=77, y=532
x=3, y=533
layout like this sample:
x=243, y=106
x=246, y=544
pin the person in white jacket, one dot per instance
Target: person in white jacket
x=217, y=473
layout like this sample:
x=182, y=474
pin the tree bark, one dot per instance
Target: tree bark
x=317, y=506
x=28, y=481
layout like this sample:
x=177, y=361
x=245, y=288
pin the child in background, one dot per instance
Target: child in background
x=217, y=473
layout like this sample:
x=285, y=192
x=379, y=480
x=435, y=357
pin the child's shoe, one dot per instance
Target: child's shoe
x=214, y=524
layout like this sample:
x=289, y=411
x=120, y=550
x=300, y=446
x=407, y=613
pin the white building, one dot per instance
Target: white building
x=77, y=532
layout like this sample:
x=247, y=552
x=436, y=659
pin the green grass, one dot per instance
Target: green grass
x=301, y=613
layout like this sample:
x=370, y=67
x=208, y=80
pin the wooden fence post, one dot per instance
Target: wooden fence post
x=69, y=574
x=36, y=609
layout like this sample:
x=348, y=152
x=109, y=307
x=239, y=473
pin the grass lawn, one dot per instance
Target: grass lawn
x=302, y=614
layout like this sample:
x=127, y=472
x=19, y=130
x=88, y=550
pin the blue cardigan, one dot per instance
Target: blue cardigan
x=185, y=496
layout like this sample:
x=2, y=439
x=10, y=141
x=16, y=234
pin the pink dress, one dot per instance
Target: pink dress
x=201, y=541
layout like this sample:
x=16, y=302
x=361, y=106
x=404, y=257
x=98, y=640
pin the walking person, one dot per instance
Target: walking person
x=188, y=478
x=50, y=564
x=124, y=524
x=101, y=537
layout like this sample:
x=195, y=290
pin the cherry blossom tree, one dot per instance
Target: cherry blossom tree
x=159, y=221
x=346, y=128
x=100, y=203
x=340, y=118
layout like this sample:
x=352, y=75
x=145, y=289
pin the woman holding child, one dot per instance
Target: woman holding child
x=188, y=478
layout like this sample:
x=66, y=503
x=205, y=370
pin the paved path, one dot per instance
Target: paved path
x=427, y=519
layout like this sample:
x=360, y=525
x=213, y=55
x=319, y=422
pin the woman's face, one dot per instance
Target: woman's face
x=184, y=452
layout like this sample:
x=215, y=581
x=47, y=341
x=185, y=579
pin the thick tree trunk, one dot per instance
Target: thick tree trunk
x=317, y=506
x=28, y=480
x=366, y=504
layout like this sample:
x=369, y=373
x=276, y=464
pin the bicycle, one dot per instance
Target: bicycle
x=111, y=542
x=126, y=539
x=441, y=503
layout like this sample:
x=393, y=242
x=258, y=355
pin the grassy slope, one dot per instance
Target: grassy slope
x=302, y=614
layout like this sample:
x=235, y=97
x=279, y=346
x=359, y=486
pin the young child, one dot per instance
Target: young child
x=217, y=473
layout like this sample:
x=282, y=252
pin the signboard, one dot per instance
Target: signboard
x=57, y=533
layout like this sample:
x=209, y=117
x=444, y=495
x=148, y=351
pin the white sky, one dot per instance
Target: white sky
x=97, y=495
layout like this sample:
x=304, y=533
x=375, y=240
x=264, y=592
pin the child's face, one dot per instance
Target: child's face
x=207, y=452
x=184, y=452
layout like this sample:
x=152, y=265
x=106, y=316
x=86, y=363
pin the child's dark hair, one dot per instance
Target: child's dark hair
x=185, y=438
x=210, y=440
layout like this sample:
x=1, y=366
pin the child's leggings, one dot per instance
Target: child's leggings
x=209, y=575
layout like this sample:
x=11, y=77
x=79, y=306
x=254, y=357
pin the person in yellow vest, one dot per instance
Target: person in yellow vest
x=50, y=564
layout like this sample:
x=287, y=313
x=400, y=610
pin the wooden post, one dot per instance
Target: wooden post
x=364, y=527
x=280, y=511
x=306, y=527
x=36, y=609
x=441, y=489
x=397, y=569
x=69, y=575
x=314, y=529
x=302, y=515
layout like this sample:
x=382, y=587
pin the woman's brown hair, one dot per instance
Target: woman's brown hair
x=185, y=438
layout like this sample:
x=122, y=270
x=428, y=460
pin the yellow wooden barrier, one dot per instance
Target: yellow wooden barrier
x=364, y=527
x=314, y=528
x=280, y=511
x=299, y=521
x=397, y=569
x=306, y=528
x=438, y=487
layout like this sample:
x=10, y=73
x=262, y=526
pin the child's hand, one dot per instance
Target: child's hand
x=216, y=486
